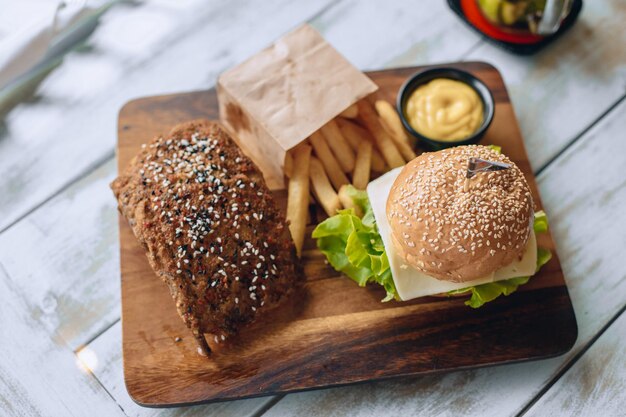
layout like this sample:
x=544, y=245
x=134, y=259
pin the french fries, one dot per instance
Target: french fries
x=354, y=134
x=365, y=138
x=351, y=112
x=298, y=195
x=392, y=124
x=384, y=143
x=288, y=167
x=322, y=188
x=347, y=201
x=362, y=168
x=339, y=146
x=331, y=166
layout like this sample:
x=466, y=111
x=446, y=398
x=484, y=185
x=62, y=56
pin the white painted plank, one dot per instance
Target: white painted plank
x=373, y=35
x=138, y=50
x=63, y=260
x=584, y=192
x=564, y=88
x=108, y=350
x=595, y=385
x=39, y=376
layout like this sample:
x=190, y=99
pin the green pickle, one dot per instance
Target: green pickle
x=511, y=12
x=491, y=9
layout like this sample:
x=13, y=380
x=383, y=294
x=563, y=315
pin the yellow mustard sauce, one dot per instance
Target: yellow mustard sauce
x=445, y=110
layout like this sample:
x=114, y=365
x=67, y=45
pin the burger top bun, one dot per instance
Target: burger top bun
x=457, y=235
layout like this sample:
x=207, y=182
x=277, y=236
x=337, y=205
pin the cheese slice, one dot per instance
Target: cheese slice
x=411, y=283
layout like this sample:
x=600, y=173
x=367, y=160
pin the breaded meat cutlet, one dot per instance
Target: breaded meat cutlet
x=210, y=227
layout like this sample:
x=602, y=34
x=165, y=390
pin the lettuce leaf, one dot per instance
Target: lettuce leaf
x=484, y=293
x=353, y=245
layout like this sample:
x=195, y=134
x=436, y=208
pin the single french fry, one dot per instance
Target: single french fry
x=392, y=124
x=354, y=134
x=351, y=112
x=298, y=195
x=322, y=188
x=390, y=118
x=384, y=143
x=347, y=202
x=331, y=166
x=362, y=168
x=288, y=167
x=338, y=144
x=405, y=149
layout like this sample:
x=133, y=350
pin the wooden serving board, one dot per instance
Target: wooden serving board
x=334, y=333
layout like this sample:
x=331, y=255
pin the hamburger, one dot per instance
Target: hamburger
x=428, y=229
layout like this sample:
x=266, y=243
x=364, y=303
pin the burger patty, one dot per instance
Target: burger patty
x=210, y=228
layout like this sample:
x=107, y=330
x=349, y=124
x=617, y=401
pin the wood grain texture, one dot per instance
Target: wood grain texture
x=31, y=364
x=337, y=332
x=595, y=385
x=569, y=84
x=583, y=193
x=108, y=349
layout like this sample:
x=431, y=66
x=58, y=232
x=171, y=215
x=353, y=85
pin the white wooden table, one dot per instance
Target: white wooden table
x=60, y=353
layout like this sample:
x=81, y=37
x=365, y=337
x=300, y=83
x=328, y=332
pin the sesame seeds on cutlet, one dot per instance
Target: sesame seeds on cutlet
x=194, y=188
x=432, y=197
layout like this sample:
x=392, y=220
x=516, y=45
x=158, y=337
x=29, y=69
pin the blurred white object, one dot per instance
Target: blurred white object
x=32, y=31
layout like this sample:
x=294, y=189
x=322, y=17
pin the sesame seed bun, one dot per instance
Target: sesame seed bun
x=454, y=235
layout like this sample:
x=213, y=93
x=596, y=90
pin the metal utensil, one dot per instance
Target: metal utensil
x=476, y=165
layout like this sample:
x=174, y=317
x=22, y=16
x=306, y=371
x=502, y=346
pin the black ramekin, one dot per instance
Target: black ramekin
x=425, y=76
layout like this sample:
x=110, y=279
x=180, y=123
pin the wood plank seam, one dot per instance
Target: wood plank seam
x=91, y=168
x=471, y=49
x=64, y=346
x=580, y=135
x=92, y=375
x=97, y=335
x=570, y=363
x=323, y=10
x=263, y=410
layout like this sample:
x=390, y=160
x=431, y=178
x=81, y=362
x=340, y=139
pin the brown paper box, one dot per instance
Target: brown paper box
x=277, y=98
